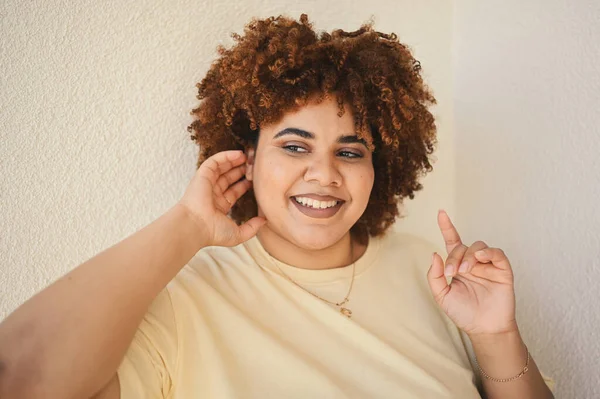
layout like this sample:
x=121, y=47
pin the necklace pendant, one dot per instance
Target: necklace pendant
x=346, y=312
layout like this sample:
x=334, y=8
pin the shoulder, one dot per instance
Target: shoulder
x=408, y=243
x=216, y=259
x=214, y=266
x=216, y=256
x=407, y=255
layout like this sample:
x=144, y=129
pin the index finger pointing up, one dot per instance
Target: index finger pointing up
x=451, y=237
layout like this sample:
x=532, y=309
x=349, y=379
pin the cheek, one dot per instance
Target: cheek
x=360, y=184
x=273, y=179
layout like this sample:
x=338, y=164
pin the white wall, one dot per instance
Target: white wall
x=526, y=101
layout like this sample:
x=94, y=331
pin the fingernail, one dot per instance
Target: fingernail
x=480, y=253
x=449, y=270
x=463, y=267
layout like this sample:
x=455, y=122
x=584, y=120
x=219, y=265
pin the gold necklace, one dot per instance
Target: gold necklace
x=343, y=310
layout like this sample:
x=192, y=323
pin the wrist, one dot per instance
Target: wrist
x=508, y=334
x=501, y=355
x=193, y=225
x=496, y=344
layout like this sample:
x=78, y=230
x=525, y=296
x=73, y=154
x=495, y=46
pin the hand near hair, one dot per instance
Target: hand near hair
x=480, y=298
x=213, y=190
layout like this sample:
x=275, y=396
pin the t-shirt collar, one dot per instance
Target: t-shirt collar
x=269, y=264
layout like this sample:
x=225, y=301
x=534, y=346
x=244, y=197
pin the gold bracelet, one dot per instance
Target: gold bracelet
x=525, y=369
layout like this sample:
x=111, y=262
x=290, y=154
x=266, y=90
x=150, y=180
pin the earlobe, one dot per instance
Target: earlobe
x=249, y=163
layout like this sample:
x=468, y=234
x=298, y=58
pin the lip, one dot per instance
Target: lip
x=318, y=213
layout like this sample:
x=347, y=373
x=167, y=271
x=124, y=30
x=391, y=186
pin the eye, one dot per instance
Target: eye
x=294, y=148
x=350, y=154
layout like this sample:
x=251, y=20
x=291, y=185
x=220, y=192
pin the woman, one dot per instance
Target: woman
x=276, y=274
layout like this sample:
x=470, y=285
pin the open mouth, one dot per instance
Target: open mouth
x=315, y=204
x=315, y=208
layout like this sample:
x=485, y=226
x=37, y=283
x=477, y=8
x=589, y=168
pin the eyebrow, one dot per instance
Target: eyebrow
x=346, y=139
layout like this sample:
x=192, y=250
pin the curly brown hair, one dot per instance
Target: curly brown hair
x=280, y=63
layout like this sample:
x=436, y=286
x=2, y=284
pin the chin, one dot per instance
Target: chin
x=313, y=239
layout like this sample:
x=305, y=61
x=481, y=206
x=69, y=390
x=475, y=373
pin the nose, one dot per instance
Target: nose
x=323, y=169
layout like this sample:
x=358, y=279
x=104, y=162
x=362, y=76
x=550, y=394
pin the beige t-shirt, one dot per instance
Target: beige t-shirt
x=229, y=325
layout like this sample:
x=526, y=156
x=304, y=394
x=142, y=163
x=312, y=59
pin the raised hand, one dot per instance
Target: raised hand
x=480, y=298
x=213, y=190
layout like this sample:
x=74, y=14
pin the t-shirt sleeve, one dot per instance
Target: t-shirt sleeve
x=148, y=368
x=549, y=381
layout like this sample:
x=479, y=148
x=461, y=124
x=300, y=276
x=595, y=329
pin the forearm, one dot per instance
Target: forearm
x=504, y=356
x=68, y=340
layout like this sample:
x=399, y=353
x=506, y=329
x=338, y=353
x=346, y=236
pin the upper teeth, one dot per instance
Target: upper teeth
x=313, y=203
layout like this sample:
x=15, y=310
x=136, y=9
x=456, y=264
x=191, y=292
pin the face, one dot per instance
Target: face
x=312, y=176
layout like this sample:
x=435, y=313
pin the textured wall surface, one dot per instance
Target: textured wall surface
x=526, y=103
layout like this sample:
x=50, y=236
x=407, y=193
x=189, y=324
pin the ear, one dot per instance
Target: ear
x=250, y=163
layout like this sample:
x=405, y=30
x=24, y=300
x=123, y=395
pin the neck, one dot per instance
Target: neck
x=334, y=256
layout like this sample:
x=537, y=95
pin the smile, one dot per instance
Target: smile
x=315, y=208
x=315, y=204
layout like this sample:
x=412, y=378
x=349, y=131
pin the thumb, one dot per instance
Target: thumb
x=436, y=278
x=250, y=228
